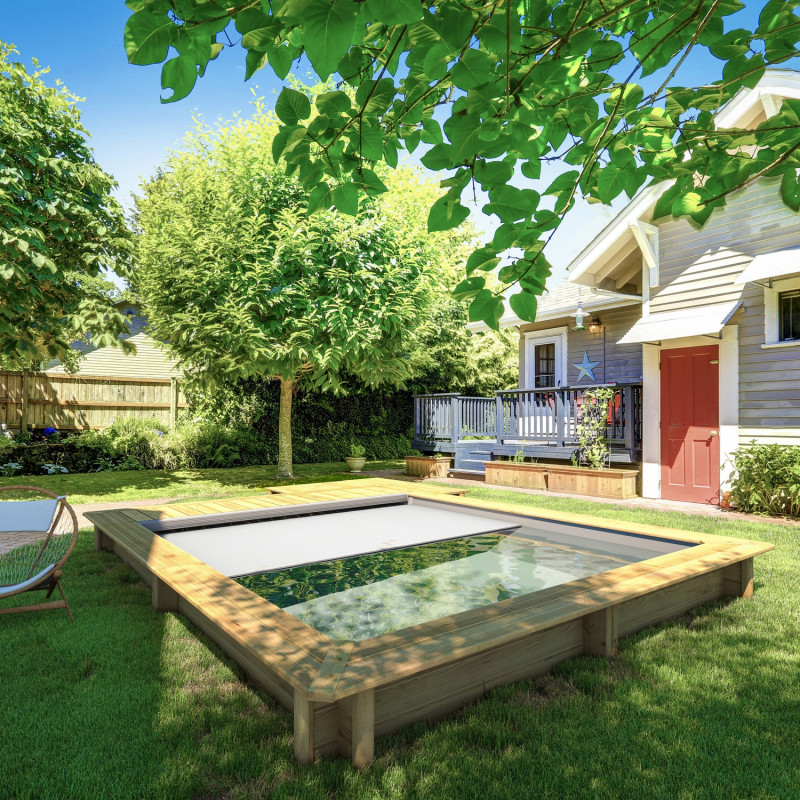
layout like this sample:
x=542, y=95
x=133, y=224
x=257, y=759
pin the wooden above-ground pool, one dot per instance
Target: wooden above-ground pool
x=344, y=692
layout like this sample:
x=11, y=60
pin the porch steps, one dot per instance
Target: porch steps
x=470, y=456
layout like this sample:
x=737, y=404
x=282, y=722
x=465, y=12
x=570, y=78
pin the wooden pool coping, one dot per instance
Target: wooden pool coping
x=268, y=642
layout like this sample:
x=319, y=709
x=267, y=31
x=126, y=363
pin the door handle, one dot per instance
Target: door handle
x=712, y=433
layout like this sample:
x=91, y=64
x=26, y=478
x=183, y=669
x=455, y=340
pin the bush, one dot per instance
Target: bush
x=767, y=479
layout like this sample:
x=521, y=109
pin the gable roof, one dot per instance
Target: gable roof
x=618, y=237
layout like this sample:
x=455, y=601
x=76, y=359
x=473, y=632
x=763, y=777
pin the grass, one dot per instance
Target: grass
x=129, y=703
x=151, y=484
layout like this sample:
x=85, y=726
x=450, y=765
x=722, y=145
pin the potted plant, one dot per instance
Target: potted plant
x=435, y=466
x=516, y=471
x=590, y=472
x=356, y=460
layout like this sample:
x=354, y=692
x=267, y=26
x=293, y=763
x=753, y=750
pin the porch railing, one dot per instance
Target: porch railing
x=547, y=416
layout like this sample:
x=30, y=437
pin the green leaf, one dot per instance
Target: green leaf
x=486, y=307
x=147, y=37
x=482, y=260
x=292, y=106
x=328, y=31
x=178, y=74
x=333, y=103
x=790, y=190
x=473, y=69
x=261, y=37
x=370, y=182
x=375, y=96
x=320, y=197
x=446, y=213
x=345, y=198
x=468, y=288
x=524, y=304
x=440, y=156
x=395, y=12
x=254, y=62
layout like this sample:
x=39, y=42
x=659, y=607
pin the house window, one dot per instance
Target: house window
x=545, y=359
x=545, y=364
x=789, y=316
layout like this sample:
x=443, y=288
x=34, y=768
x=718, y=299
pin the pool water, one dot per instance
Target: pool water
x=365, y=596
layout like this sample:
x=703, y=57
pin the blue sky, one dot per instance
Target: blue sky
x=82, y=43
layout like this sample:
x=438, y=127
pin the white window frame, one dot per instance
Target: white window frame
x=557, y=336
x=772, y=312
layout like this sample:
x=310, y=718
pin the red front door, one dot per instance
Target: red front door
x=690, y=424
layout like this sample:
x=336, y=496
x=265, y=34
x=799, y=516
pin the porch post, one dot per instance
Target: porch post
x=628, y=418
x=498, y=417
x=455, y=419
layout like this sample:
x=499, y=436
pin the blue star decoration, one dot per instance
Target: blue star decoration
x=586, y=368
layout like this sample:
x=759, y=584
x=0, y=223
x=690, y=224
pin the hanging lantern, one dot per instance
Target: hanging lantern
x=579, y=315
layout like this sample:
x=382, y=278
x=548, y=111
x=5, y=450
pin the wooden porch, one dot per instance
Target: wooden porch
x=541, y=422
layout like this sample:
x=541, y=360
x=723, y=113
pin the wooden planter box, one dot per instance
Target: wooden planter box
x=507, y=473
x=427, y=466
x=619, y=484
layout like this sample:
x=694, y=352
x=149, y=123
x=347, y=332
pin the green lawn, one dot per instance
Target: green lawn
x=130, y=703
x=151, y=484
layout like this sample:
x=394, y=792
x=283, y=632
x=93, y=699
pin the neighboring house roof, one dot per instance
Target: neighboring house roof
x=150, y=361
x=562, y=301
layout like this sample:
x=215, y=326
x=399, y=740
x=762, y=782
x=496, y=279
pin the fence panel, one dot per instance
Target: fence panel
x=40, y=399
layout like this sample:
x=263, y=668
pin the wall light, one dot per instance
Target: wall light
x=595, y=326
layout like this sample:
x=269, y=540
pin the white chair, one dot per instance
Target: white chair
x=38, y=530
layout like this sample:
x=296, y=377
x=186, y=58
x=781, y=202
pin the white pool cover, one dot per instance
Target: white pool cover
x=280, y=543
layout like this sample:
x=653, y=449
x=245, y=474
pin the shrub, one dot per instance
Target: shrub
x=767, y=479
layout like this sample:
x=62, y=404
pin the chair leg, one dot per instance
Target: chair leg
x=64, y=598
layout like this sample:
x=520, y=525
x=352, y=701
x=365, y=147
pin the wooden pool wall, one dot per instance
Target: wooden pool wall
x=343, y=694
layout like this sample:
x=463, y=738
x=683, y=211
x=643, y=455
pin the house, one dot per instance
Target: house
x=698, y=328
x=150, y=360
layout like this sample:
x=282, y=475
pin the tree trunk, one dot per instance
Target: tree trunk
x=285, y=429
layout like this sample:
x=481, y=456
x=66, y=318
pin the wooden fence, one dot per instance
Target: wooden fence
x=39, y=399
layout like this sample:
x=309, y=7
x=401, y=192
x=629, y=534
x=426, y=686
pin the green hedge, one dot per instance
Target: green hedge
x=767, y=479
x=323, y=429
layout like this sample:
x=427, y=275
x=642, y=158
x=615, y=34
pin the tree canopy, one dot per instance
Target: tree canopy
x=241, y=281
x=60, y=225
x=495, y=90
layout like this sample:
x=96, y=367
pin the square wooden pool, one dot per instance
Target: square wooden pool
x=364, y=606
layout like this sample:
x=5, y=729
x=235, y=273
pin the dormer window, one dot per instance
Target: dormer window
x=789, y=316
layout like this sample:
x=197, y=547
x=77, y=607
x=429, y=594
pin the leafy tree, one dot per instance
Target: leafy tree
x=60, y=226
x=243, y=282
x=590, y=85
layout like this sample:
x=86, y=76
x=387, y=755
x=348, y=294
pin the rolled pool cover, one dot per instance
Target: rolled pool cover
x=265, y=545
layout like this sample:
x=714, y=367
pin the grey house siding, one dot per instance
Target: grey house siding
x=699, y=267
x=618, y=363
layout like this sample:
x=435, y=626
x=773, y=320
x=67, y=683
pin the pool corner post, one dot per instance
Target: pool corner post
x=738, y=578
x=303, y=728
x=101, y=541
x=362, y=728
x=600, y=635
x=165, y=598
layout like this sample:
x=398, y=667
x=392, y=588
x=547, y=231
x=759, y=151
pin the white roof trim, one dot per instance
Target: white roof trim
x=510, y=319
x=630, y=215
x=697, y=321
x=771, y=265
